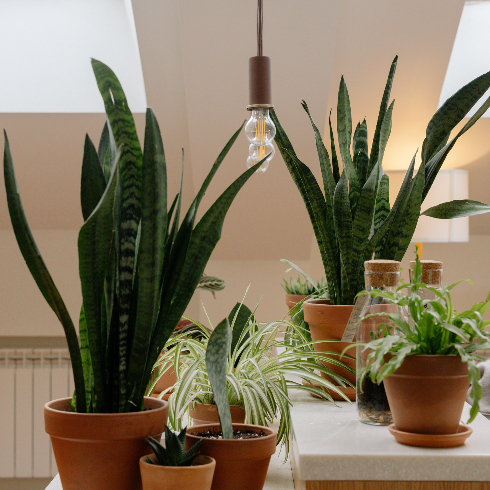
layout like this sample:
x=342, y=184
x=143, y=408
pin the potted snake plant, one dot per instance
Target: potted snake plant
x=242, y=451
x=352, y=218
x=139, y=266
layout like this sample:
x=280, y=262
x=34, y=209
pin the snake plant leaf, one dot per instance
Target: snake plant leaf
x=319, y=209
x=385, y=133
x=382, y=210
x=238, y=318
x=327, y=174
x=435, y=163
x=124, y=130
x=107, y=150
x=344, y=133
x=343, y=229
x=93, y=181
x=361, y=156
x=216, y=360
x=94, y=253
x=335, y=161
x=457, y=209
x=151, y=246
x=373, y=158
x=88, y=373
x=40, y=273
x=362, y=223
x=451, y=113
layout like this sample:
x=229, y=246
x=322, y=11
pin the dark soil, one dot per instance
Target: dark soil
x=237, y=434
x=372, y=396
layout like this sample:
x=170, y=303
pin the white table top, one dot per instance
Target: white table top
x=330, y=443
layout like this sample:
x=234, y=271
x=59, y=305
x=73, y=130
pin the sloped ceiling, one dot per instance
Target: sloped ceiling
x=195, y=59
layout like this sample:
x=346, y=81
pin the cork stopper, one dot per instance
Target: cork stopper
x=382, y=273
x=431, y=271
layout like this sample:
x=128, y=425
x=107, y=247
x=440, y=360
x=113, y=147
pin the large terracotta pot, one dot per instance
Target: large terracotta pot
x=241, y=464
x=199, y=476
x=328, y=322
x=205, y=413
x=427, y=393
x=101, y=451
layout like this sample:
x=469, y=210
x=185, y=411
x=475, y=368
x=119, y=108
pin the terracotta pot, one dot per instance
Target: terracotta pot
x=166, y=380
x=293, y=299
x=241, y=464
x=427, y=393
x=327, y=322
x=101, y=451
x=199, y=476
x=205, y=413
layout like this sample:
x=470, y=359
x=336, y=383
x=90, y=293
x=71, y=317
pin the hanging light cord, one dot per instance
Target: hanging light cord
x=260, y=19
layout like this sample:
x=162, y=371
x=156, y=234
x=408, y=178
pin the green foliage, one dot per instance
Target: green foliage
x=139, y=263
x=257, y=376
x=351, y=216
x=457, y=209
x=303, y=287
x=433, y=327
x=173, y=454
x=211, y=284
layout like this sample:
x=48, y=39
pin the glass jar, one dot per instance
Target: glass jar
x=372, y=403
x=431, y=276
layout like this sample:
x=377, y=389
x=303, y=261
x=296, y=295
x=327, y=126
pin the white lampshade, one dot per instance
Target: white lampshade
x=46, y=50
x=470, y=56
x=448, y=185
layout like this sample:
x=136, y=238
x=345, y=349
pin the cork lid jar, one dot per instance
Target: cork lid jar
x=380, y=273
x=431, y=272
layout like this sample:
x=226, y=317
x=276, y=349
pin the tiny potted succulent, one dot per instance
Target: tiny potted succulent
x=242, y=451
x=426, y=356
x=139, y=266
x=350, y=211
x=257, y=380
x=173, y=468
x=299, y=289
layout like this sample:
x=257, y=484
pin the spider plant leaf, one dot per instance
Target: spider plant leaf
x=94, y=253
x=122, y=125
x=335, y=161
x=325, y=166
x=93, y=182
x=373, y=158
x=216, y=359
x=150, y=250
x=457, y=209
x=361, y=155
x=40, y=273
x=451, y=113
x=343, y=230
x=435, y=162
x=344, y=134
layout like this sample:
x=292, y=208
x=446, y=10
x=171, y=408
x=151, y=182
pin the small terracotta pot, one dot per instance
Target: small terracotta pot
x=293, y=299
x=328, y=322
x=205, y=413
x=199, y=476
x=101, y=451
x=241, y=464
x=427, y=393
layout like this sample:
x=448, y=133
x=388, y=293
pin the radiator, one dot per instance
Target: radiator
x=28, y=379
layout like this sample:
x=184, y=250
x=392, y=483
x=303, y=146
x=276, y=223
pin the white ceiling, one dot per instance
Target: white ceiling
x=195, y=58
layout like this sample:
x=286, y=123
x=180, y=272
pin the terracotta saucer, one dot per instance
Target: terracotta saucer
x=349, y=392
x=432, y=440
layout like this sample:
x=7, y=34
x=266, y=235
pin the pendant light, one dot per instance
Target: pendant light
x=260, y=129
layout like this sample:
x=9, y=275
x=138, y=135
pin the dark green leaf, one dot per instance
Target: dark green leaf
x=457, y=209
x=361, y=156
x=335, y=162
x=93, y=180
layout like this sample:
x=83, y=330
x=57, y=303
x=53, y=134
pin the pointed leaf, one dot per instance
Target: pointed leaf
x=335, y=161
x=361, y=156
x=93, y=180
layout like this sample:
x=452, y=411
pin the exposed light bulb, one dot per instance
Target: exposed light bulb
x=259, y=152
x=260, y=129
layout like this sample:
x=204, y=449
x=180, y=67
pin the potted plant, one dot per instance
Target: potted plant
x=351, y=218
x=139, y=266
x=257, y=380
x=426, y=358
x=242, y=451
x=173, y=468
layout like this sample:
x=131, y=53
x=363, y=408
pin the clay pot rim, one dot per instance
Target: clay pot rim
x=447, y=365
x=209, y=461
x=272, y=434
x=297, y=296
x=150, y=402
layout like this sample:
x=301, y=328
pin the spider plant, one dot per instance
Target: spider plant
x=256, y=377
x=139, y=263
x=351, y=217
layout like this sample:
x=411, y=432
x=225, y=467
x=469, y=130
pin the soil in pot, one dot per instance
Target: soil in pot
x=328, y=322
x=101, y=451
x=199, y=476
x=241, y=464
